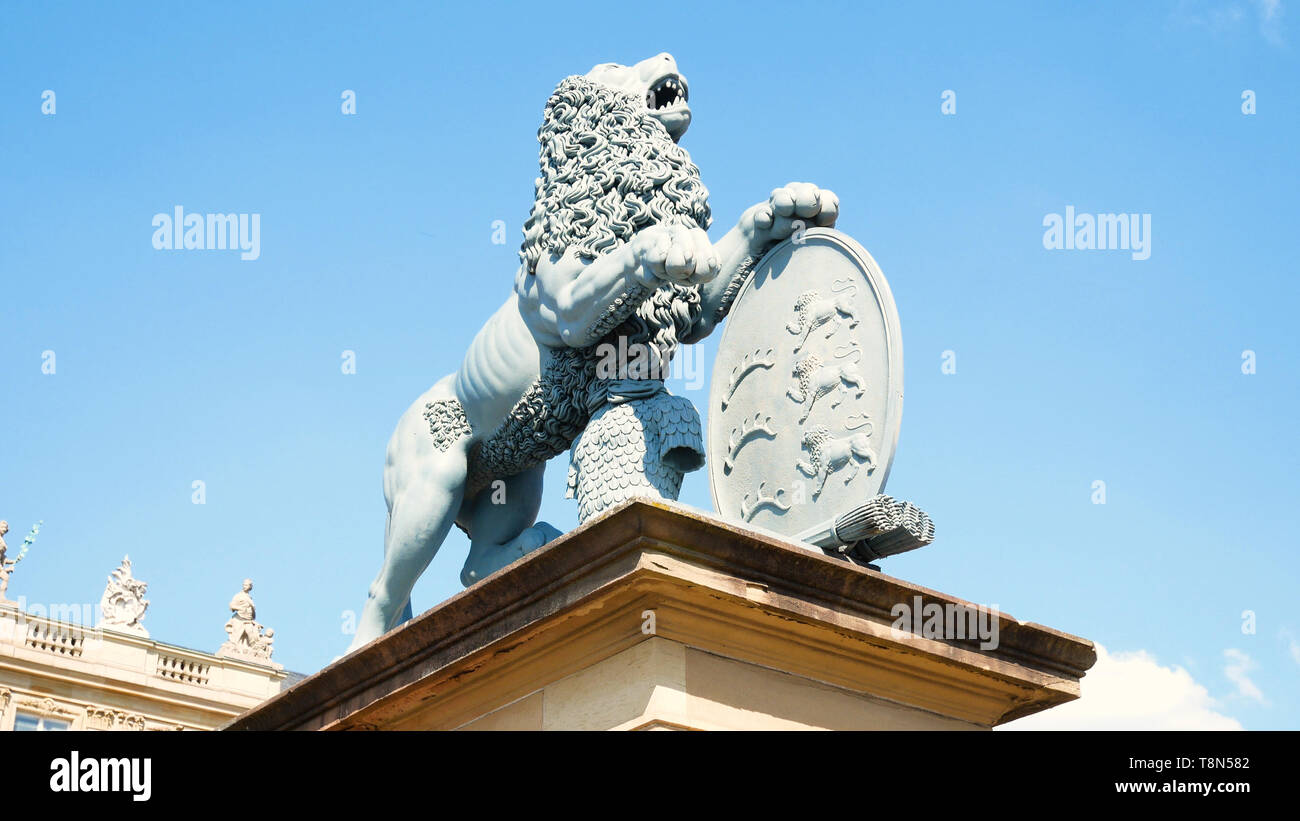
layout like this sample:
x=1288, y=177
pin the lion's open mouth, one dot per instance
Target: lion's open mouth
x=666, y=92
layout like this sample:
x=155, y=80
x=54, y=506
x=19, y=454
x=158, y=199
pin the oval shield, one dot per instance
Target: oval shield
x=807, y=391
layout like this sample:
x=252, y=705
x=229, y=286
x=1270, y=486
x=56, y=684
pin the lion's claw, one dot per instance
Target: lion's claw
x=788, y=209
x=675, y=253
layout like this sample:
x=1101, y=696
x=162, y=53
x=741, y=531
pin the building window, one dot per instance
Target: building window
x=29, y=722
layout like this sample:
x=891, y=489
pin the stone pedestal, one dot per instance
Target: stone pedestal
x=656, y=616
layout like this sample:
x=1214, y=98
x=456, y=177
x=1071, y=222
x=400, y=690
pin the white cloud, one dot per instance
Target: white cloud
x=1219, y=18
x=1132, y=691
x=1292, y=646
x=1270, y=20
x=1269, y=9
x=1239, y=664
x=1212, y=17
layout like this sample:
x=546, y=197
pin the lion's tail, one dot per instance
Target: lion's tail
x=859, y=420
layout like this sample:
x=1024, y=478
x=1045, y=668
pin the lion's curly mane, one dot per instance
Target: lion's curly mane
x=609, y=169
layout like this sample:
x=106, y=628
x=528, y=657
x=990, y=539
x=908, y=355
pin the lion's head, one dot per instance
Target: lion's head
x=806, y=365
x=814, y=438
x=658, y=82
x=805, y=299
x=610, y=166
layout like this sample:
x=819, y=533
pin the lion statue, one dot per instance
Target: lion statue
x=615, y=249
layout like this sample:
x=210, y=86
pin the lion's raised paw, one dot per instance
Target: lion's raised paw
x=676, y=253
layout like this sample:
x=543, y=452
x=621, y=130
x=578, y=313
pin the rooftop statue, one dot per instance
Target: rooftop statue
x=246, y=638
x=615, y=256
x=8, y=565
x=123, y=604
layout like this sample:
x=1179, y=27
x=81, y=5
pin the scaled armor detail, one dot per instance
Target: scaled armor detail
x=640, y=441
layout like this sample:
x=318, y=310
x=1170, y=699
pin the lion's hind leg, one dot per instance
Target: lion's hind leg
x=833, y=325
x=500, y=521
x=424, y=482
x=861, y=447
x=850, y=376
x=845, y=306
x=840, y=392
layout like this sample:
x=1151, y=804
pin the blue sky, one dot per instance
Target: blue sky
x=1072, y=366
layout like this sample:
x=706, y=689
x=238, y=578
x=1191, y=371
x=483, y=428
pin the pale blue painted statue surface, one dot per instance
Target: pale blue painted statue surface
x=615, y=247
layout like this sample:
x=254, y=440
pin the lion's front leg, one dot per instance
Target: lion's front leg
x=822, y=477
x=574, y=302
x=786, y=210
